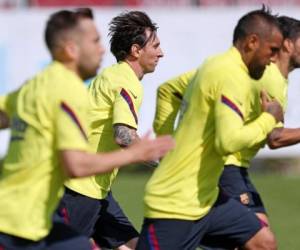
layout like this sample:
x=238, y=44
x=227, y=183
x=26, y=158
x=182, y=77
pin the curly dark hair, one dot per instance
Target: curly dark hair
x=127, y=29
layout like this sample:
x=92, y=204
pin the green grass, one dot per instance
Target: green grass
x=282, y=200
x=281, y=196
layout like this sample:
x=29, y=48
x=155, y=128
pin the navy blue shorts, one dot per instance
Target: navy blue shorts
x=103, y=220
x=235, y=182
x=228, y=222
x=61, y=237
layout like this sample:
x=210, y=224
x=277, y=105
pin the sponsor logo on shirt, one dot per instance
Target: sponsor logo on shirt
x=134, y=96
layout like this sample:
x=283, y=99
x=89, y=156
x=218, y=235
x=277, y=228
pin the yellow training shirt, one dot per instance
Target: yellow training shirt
x=49, y=113
x=115, y=96
x=215, y=108
x=7, y=102
x=168, y=104
x=169, y=97
x=276, y=86
x=2, y=102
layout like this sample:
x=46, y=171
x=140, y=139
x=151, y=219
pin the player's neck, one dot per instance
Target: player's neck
x=246, y=57
x=283, y=63
x=136, y=67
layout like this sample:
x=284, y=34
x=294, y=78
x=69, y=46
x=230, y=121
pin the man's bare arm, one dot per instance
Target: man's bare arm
x=80, y=164
x=283, y=137
x=125, y=136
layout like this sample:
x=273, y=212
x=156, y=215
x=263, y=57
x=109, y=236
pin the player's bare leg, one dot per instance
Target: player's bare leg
x=130, y=245
x=263, y=240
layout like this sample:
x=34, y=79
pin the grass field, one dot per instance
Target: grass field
x=280, y=193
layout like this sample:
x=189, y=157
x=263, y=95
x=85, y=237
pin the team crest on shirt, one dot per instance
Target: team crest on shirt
x=244, y=198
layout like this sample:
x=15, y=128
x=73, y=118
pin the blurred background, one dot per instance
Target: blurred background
x=189, y=30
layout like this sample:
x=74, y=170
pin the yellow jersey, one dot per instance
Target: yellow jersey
x=214, y=112
x=115, y=96
x=2, y=102
x=276, y=85
x=168, y=103
x=48, y=113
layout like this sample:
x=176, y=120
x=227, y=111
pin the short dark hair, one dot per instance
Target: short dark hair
x=289, y=27
x=62, y=21
x=252, y=23
x=127, y=29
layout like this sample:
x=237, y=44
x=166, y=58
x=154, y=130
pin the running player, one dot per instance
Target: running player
x=48, y=141
x=235, y=179
x=182, y=200
x=115, y=95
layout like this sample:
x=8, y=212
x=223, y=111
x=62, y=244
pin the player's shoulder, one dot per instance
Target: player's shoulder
x=61, y=83
x=116, y=76
x=63, y=78
x=109, y=76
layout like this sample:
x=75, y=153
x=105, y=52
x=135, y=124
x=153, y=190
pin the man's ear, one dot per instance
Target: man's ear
x=71, y=50
x=135, y=50
x=252, y=42
x=287, y=46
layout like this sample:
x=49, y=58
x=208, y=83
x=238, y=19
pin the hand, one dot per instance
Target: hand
x=4, y=120
x=147, y=149
x=273, y=107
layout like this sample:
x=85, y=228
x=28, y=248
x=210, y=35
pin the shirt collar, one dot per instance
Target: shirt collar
x=130, y=71
x=61, y=66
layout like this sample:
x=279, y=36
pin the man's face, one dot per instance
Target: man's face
x=150, y=53
x=295, y=56
x=91, y=50
x=266, y=50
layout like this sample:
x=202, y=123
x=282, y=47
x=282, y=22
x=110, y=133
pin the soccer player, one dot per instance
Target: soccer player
x=234, y=179
x=289, y=59
x=168, y=102
x=48, y=141
x=182, y=200
x=115, y=95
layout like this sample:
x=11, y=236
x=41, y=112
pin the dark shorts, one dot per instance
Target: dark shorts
x=61, y=237
x=228, y=222
x=103, y=220
x=235, y=182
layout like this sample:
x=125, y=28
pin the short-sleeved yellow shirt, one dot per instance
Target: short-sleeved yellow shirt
x=48, y=113
x=115, y=96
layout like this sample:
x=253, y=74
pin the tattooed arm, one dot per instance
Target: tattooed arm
x=124, y=135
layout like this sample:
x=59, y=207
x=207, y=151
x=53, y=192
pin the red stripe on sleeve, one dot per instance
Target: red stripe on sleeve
x=72, y=115
x=129, y=101
x=232, y=105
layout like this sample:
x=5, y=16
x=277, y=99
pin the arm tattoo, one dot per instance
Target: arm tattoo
x=124, y=135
